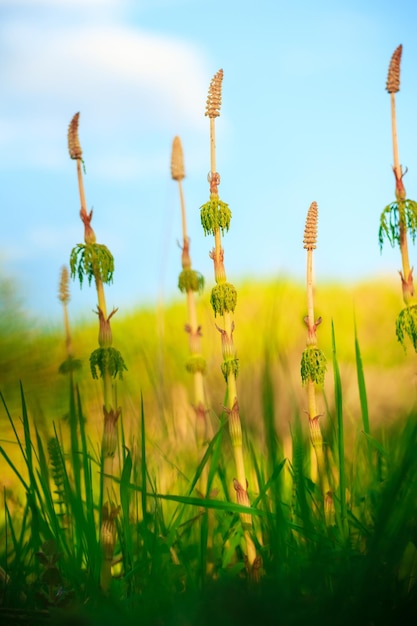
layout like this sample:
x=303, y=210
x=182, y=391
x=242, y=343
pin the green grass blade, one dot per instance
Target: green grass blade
x=75, y=447
x=125, y=504
x=144, y=471
x=338, y=398
x=14, y=468
x=361, y=385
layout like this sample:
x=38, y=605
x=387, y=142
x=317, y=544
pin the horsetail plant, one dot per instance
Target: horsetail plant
x=313, y=360
x=96, y=261
x=215, y=219
x=70, y=364
x=190, y=282
x=400, y=217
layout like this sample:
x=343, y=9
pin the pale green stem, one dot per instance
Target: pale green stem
x=315, y=430
x=310, y=295
x=81, y=186
x=397, y=166
x=231, y=379
x=212, y=145
x=183, y=213
x=408, y=290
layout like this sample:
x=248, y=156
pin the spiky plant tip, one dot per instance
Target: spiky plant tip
x=64, y=293
x=214, y=98
x=74, y=146
x=310, y=231
x=393, y=80
x=177, y=160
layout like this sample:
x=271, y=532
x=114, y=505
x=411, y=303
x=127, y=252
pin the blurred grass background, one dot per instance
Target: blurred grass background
x=373, y=573
x=269, y=332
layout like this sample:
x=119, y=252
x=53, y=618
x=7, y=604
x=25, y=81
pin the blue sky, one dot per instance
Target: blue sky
x=305, y=116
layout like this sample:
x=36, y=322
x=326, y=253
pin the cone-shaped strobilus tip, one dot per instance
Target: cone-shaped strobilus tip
x=74, y=146
x=214, y=98
x=177, y=160
x=393, y=80
x=310, y=231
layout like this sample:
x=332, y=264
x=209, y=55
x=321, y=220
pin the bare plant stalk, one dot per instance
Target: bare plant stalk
x=215, y=219
x=313, y=362
x=96, y=261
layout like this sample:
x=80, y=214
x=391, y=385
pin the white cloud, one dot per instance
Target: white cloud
x=104, y=63
x=64, y=4
x=119, y=77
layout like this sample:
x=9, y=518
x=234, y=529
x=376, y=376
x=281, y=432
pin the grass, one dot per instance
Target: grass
x=114, y=510
x=179, y=555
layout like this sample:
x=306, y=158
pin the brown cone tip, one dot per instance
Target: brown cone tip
x=310, y=231
x=74, y=146
x=214, y=98
x=393, y=80
x=177, y=160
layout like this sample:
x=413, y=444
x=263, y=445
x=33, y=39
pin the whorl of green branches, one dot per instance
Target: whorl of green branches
x=92, y=260
x=215, y=214
x=405, y=212
x=313, y=365
x=108, y=360
x=406, y=326
x=223, y=298
x=190, y=280
x=230, y=366
x=195, y=363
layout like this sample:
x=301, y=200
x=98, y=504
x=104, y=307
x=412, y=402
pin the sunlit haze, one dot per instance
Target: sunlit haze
x=305, y=116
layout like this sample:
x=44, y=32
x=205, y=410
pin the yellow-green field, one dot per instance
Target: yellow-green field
x=269, y=321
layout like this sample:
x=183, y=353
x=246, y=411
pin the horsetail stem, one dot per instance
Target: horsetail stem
x=313, y=361
x=190, y=282
x=401, y=215
x=96, y=261
x=215, y=219
x=393, y=86
x=399, y=218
